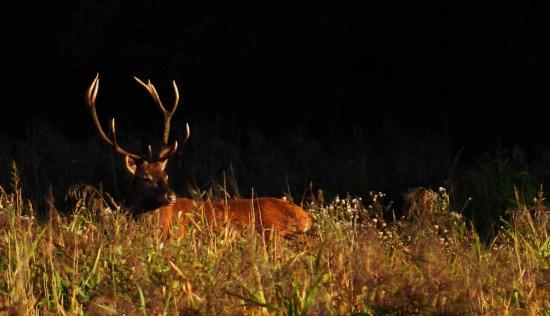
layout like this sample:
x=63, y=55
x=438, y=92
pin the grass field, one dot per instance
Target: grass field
x=358, y=260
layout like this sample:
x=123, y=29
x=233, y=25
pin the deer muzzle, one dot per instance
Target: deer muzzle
x=168, y=198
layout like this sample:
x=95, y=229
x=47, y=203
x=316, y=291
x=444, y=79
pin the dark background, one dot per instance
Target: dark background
x=471, y=75
x=477, y=71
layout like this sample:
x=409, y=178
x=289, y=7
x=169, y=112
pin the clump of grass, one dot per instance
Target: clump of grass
x=489, y=184
x=360, y=258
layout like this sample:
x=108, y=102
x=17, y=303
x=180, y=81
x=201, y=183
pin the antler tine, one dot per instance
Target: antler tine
x=119, y=149
x=168, y=151
x=176, y=102
x=91, y=96
x=167, y=114
x=152, y=91
x=150, y=153
x=187, y=133
x=176, y=97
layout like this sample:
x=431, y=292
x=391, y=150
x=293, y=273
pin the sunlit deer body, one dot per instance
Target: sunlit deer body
x=149, y=189
x=265, y=213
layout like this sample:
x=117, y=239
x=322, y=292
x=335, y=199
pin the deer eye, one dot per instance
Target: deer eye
x=147, y=178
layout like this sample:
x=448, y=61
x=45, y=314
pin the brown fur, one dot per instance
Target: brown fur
x=144, y=196
x=284, y=218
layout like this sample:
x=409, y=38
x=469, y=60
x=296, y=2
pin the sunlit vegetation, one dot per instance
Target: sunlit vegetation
x=360, y=258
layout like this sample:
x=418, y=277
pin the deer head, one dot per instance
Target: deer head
x=149, y=188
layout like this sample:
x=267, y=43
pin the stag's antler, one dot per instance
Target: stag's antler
x=91, y=96
x=167, y=150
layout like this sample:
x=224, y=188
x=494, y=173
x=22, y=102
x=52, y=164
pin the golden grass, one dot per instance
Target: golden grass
x=99, y=261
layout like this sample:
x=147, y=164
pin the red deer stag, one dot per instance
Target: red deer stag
x=149, y=189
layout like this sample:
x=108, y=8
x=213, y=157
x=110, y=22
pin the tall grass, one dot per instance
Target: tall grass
x=98, y=261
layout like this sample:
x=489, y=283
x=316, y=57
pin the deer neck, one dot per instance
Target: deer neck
x=137, y=205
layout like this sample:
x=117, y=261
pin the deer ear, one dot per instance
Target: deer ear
x=130, y=164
